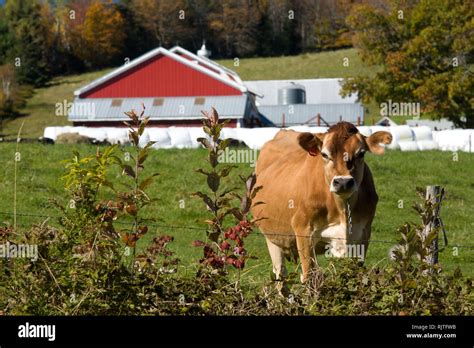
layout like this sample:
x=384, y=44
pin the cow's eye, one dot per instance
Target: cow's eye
x=361, y=154
x=325, y=155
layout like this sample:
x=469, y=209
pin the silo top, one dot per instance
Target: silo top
x=292, y=94
x=294, y=86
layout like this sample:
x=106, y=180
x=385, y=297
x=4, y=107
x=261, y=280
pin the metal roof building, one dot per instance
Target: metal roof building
x=298, y=114
x=318, y=91
x=174, y=85
x=292, y=102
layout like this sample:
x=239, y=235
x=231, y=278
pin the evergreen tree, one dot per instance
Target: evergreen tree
x=29, y=53
x=6, y=41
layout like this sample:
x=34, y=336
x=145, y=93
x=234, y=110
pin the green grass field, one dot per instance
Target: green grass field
x=396, y=175
x=40, y=109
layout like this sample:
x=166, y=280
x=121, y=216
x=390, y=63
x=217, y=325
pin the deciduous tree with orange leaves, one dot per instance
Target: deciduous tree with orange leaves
x=426, y=51
x=98, y=41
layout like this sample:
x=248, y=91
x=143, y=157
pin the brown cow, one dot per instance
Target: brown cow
x=319, y=194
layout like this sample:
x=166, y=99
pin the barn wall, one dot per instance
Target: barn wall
x=161, y=77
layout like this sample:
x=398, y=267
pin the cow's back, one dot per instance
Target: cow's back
x=283, y=146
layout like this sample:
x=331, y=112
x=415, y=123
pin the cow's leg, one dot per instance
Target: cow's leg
x=279, y=269
x=306, y=259
x=304, y=244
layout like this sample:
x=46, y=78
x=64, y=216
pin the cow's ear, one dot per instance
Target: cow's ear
x=374, y=141
x=311, y=142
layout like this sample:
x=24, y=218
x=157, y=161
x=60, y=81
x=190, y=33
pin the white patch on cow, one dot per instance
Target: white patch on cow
x=278, y=261
x=334, y=231
x=332, y=189
x=336, y=237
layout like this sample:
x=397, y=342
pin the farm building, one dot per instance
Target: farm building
x=296, y=102
x=174, y=85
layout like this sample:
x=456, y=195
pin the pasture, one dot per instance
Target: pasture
x=396, y=176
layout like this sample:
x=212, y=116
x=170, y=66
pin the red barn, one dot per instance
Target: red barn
x=174, y=85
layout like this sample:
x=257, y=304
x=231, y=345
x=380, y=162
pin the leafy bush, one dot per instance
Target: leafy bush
x=225, y=246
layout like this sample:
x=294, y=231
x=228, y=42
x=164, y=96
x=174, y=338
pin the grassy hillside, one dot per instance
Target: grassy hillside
x=304, y=66
x=396, y=175
x=40, y=109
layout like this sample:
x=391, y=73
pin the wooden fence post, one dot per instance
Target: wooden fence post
x=434, y=195
x=318, y=120
x=283, y=120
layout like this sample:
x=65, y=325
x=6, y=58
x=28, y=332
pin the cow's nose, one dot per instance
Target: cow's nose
x=342, y=183
x=350, y=182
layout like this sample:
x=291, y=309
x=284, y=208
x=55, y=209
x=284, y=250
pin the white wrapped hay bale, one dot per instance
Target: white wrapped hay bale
x=318, y=129
x=426, y=145
x=408, y=146
x=422, y=133
x=180, y=138
x=365, y=130
x=229, y=133
x=117, y=135
x=255, y=138
x=50, y=133
x=472, y=140
x=160, y=136
x=194, y=133
x=94, y=133
x=454, y=140
x=301, y=128
x=374, y=129
x=144, y=139
x=401, y=134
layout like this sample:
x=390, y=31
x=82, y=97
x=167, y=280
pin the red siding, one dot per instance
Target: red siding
x=161, y=77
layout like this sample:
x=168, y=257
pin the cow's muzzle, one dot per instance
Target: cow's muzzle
x=343, y=185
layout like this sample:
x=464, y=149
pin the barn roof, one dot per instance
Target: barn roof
x=318, y=91
x=224, y=71
x=167, y=108
x=305, y=113
x=180, y=55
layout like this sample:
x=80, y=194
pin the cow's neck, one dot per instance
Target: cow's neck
x=341, y=206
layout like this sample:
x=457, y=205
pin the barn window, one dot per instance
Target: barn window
x=158, y=101
x=199, y=101
x=116, y=102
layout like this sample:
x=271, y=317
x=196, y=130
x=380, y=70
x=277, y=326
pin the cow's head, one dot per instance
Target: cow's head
x=342, y=150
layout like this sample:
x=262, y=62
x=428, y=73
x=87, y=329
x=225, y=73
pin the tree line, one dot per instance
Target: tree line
x=424, y=47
